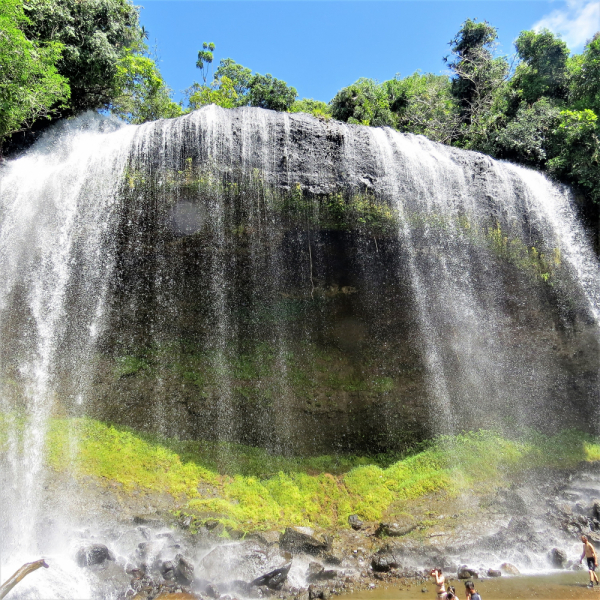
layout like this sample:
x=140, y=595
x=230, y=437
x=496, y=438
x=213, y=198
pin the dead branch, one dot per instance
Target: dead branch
x=20, y=574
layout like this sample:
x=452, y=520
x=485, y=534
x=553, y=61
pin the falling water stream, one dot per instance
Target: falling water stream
x=121, y=242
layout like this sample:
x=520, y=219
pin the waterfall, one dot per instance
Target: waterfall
x=275, y=280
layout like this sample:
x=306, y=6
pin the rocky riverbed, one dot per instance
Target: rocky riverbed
x=532, y=526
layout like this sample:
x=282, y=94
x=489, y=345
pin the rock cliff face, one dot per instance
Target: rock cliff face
x=303, y=285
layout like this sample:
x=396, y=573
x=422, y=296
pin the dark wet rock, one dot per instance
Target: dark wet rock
x=183, y=569
x=355, y=522
x=109, y=578
x=167, y=570
x=206, y=588
x=494, y=573
x=298, y=542
x=512, y=501
x=558, y=558
x=509, y=569
x=596, y=509
x=93, y=554
x=384, y=560
x=317, y=592
x=332, y=559
x=394, y=529
x=275, y=579
x=151, y=520
x=267, y=538
x=235, y=534
x=465, y=572
x=316, y=572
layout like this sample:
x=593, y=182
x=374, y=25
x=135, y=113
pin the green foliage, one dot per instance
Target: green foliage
x=205, y=58
x=235, y=85
x=478, y=74
x=142, y=94
x=95, y=36
x=577, y=151
x=249, y=488
x=221, y=92
x=543, y=70
x=585, y=77
x=528, y=259
x=268, y=92
x=30, y=86
x=526, y=138
x=240, y=76
x=316, y=108
x=423, y=104
x=363, y=103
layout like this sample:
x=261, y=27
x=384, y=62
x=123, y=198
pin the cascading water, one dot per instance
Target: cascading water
x=271, y=279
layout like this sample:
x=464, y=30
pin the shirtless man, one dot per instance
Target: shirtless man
x=589, y=553
x=440, y=581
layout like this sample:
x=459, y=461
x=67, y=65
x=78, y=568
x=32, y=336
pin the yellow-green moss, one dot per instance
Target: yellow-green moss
x=248, y=488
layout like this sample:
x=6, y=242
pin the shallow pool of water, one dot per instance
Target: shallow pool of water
x=541, y=587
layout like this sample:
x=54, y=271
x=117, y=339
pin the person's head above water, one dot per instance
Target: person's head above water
x=470, y=586
x=584, y=538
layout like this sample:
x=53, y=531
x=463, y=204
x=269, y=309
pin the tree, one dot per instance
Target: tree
x=316, y=108
x=543, y=68
x=576, y=151
x=221, y=92
x=363, y=103
x=265, y=91
x=585, y=79
x=142, y=93
x=31, y=87
x=423, y=104
x=240, y=76
x=478, y=75
x=235, y=85
x=205, y=58
x=528, y=137
x=95, y=35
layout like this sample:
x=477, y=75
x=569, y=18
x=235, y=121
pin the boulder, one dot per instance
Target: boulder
x=494, y=573
x=316, y=572
x=394, y=529
x=275, y=579
x=355, y=522
x=93, y=554
x=558, y=558
x=596, y=509
x=384, y=560
x=167, y=570
x=297, y=542
x=184, y=570
x=508, y=569
x=266, y=538
x=465, y=572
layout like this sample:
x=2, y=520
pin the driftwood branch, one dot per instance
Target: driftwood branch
x=19, y=575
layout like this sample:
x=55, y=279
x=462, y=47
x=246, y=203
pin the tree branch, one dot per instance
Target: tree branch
x=19, y=575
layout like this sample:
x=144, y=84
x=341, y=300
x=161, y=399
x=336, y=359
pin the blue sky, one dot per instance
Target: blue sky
x=321, y=46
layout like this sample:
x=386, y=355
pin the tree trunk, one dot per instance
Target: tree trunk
x=22, y=572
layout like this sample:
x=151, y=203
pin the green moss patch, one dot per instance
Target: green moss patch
x=251, y=489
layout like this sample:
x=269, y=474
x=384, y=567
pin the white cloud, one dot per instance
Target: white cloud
x=576, y=22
